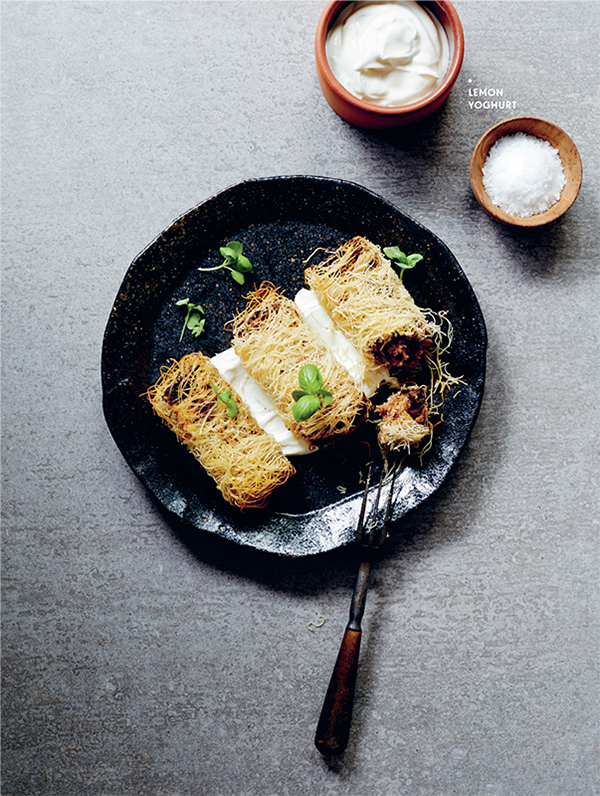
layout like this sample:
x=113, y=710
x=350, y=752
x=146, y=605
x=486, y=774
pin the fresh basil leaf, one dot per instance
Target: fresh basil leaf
x=239, y=278
x=326, y=397
x=232, y=408
x=305, y=407
x=297, y=394
x=310, y=378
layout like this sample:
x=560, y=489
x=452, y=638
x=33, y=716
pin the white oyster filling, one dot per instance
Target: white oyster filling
x=262, y=408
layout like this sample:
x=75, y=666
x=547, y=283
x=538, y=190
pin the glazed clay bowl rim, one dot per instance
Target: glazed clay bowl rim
x=541, y=128
x=419, y=109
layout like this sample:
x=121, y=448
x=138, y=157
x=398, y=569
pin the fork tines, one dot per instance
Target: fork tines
x=371, y=533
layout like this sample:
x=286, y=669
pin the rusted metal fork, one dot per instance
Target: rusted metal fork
x=333, y=728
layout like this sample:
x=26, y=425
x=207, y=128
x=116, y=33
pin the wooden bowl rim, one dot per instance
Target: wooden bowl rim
x=541, y=128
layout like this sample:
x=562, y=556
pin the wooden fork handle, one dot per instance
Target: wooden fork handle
x=333, y=729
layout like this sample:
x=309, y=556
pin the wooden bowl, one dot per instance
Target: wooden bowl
x=379, y=117
x=541, y=129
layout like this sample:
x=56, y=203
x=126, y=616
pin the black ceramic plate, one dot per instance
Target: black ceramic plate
x=280, y=221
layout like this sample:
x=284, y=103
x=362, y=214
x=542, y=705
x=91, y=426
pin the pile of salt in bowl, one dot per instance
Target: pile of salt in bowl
x=523, y=175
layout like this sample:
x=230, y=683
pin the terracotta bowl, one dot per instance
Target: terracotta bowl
x=541, y=129
x=364, y=114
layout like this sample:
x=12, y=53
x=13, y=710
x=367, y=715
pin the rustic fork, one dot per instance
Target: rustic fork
x=333, y=728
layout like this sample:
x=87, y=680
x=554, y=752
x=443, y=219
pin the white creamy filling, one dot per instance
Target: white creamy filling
x=262, y=407
x=366, y=377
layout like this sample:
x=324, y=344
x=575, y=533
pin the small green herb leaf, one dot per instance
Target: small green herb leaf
x=310, y=378
x=225, y=397
x=326, y=397
x=243, y=264
x=193, y=319
x=198, y=328
x=232, y=250
x=305, y=407
x=394, y=253
x=311, y=397
x=229, y=254
x=235, y=262
x=401, y=260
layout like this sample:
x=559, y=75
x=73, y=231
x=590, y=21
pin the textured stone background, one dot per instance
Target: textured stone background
x=137, y=661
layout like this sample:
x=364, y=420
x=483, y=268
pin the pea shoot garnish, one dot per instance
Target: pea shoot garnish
x=225, y=397
x=311, y=396
x=235, y=262
x=401, y=260
x=193, y=319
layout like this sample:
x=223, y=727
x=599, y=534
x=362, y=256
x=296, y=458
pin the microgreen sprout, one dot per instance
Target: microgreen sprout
x=234, y=261
x=401, y=260
x=225, y=397
x=193, y=319
x=311, y=396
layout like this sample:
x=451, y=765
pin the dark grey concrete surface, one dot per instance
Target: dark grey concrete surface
x=141, y=660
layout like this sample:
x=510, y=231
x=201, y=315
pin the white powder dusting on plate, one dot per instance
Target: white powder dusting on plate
x=523, y=175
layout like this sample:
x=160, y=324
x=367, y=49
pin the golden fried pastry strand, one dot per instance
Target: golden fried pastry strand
x=367, y=300
x=274, y=342
x=245, y=462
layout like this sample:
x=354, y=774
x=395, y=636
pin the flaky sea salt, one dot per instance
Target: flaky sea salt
x=523, y=175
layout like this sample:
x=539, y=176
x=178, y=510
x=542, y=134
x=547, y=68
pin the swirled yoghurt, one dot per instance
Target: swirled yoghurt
x=388, y=53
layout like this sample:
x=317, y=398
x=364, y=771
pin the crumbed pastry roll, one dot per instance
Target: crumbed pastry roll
x=367, y=300
x=274, y=343
x=404, y=419
x=245, y=462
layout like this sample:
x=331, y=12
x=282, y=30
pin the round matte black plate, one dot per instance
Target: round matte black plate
x=280, y=221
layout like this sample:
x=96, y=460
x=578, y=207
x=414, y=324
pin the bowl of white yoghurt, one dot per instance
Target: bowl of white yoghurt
x=388, y=63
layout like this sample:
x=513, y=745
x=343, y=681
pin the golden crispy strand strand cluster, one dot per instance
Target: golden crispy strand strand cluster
x=245, y=462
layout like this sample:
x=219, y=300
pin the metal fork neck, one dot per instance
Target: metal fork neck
x=357, y=605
